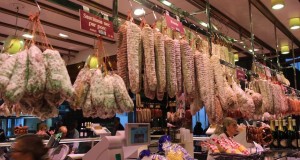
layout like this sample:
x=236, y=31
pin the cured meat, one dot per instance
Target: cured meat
x=57, y=77
x=244, y=102
x=7, y=69
x=102, y=93
x=160, y=95
x=205, y=77
x=3, y=58
x=178, y=66
x=148, y=93
x=36, y=72
x=218, y=110
x=171, y=67
x=267, y=96
x=122, y=97
x=122, y=65
x=87, y=106
x=160, y=62
x=188, y=71
x=225, y=92
x=4, y=110
x=16, y=86
x=148, y=45
x=134, y=56
x=257, y=100
x=81, y=87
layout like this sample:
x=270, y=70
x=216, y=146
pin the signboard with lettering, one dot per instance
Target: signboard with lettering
x=95, y=24
x=240, y=74
x=174, y=24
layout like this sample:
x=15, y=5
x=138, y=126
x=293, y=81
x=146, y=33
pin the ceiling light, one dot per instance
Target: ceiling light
x=63, y=35
x=27, y=35
x=204, y=24
x=236, y=57
x=255, y=50
x=241, y=42
x=277, y=4
x=295, y=23
x=285, y=50
x=139, y=11
x=167, y=3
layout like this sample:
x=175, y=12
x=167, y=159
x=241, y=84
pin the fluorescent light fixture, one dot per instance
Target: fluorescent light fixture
x=27, y=35
x=294, y=23
x=204, y=24
x=236, y=57
x=167, y=3
x=63, y=35
x=255, y=50
x=277, y=4
x=139, y=11
x=285, y=50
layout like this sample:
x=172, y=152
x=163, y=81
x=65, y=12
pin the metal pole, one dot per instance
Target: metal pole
x=251, y=28
x=294, y=66
x=276, y=48
x=209, y=26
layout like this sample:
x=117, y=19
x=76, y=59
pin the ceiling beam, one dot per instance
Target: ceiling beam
x=47, y=35
x=268, y=14
x=42, y=44
x=221, y=17
x=58, y=11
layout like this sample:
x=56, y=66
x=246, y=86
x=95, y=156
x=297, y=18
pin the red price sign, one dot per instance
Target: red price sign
x=240, y=74
x=95, y=24
x=174, y=24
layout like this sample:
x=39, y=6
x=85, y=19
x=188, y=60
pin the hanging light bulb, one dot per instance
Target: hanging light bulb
x=294, y=23
x=277, y=4
x=285, y=50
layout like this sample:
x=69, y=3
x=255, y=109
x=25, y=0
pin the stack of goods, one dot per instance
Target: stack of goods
x=225, y=145
x=34, y=82
x=97, y=93
x=20, y=130
x=294, y=105
x=100, y=95
x=261, y=135
x=143, y=115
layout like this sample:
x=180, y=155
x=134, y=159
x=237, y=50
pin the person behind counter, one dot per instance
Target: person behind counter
x=228, y=129
x=117, y=126
x=28, y=147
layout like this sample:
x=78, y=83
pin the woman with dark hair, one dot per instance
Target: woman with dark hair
x=29, y=147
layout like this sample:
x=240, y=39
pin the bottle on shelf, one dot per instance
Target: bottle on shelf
x=281, y=137
x=291, y=134
x=275, y=135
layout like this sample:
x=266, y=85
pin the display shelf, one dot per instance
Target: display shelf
x=8, y=144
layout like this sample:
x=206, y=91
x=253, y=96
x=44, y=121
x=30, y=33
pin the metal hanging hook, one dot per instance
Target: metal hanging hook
x=38, y=6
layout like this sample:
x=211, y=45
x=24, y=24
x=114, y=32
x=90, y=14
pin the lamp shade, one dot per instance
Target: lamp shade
x=277, y=4
x=285, y=49
x=236, y=57
x=294, y=23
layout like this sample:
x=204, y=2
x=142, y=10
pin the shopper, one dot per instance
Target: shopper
x=117, y=126
x=73, y=134
x=229, y=128
x=198, y=130
x=63, y=130
x=28, y=147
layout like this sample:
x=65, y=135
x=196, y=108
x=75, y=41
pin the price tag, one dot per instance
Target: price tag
x=174, y=24
x=240, y=74
x=95, y=24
